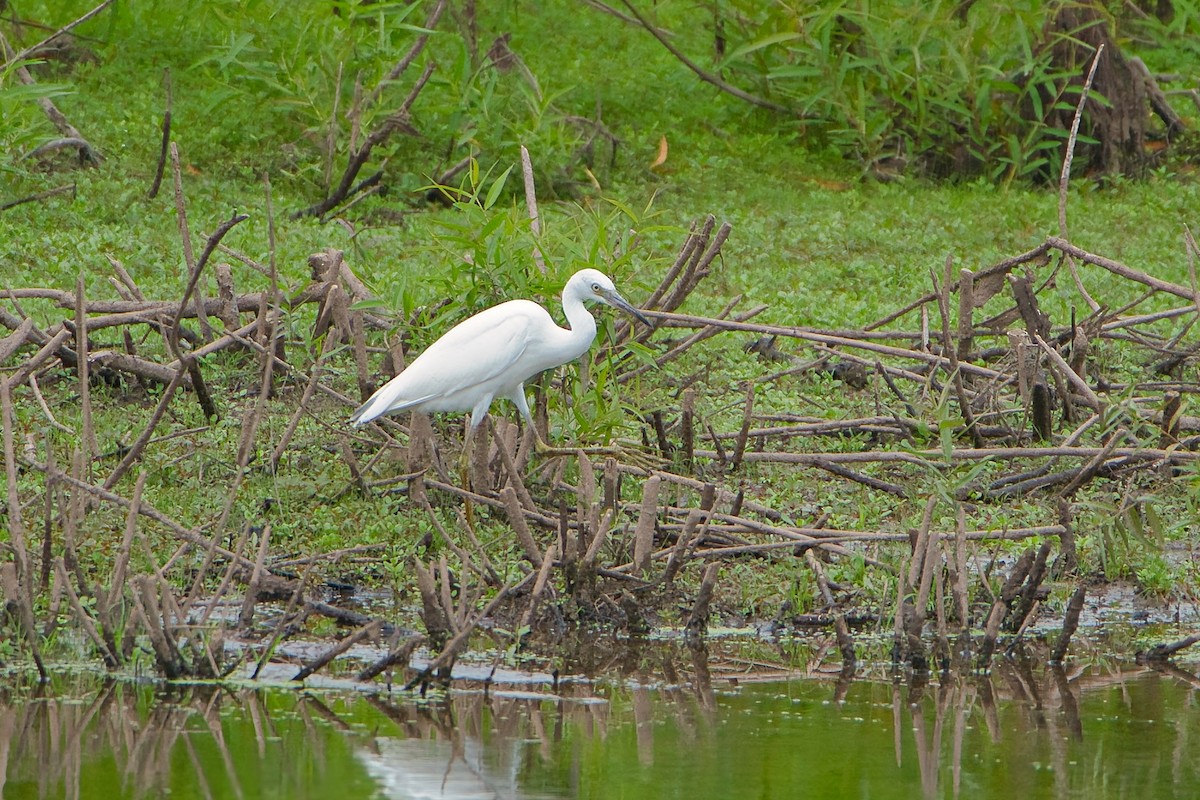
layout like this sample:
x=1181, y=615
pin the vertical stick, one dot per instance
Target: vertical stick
x=274, y=345
x=185, y=235
x=82, y=368
x=1070, y=623
x=966, y=312
x=226, y=297
x=1064, y=178
x=930, y=562
x=567, y=544
x=681, y=544
x=697, y=623
x=898, y=644
x=535, y=226
x=959, y=589
x=48, y=519
x=166, y=136
x=955, y=374
x=16, y=528
x=358, y=338
x=539, y=586
x=117, y=582
x=1066, y=540
x=252, y=589
x=643, y=537
x=842, y=631
x=585, y=500
x=739, y=448
x=687, y=426
x=507, y=446
x=612, y=488
x=516, y=517
x=332, y=131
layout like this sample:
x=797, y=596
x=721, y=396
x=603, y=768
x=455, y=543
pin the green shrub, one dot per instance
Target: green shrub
x=948, y=88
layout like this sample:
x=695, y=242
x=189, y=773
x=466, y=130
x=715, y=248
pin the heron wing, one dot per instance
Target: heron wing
x=480, y=349
x=451, y=373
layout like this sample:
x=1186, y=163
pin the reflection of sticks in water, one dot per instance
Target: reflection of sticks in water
x=960, y=726
x=643, y=720
x=702, y=682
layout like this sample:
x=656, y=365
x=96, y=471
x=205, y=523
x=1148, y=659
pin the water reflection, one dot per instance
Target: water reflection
x=700, y=731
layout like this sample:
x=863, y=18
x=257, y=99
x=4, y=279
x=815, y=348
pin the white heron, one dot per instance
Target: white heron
x=493, y=353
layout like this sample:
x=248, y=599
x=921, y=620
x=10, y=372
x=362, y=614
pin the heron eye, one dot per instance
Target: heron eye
x=596, y=288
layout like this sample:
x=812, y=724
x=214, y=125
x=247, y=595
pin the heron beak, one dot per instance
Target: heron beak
x=616, y=301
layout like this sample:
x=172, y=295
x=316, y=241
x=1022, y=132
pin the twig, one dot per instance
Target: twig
x=418, y=45
x=928, y=457
x=135, y=450
x=452, y=648
x=41, y=401
x=981, y=279
x=88, y=155
x=539, y=587
x=34, y=198
x=399, y=654
x=689, y=321
x=253, y=586
x=166, y=136
x=1161, y=652
x=739, y=444
x=1065, y=176
x=516, y=518
x=865, y=480
x=842, y=631
x=397, y=121
x=369, y=630
x=1063, y=367
x=1124, y=271
x=28, y=51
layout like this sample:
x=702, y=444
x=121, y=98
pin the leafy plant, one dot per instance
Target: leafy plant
x=951, y=88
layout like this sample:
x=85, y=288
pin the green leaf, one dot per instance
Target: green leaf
x=497, y=186
x=492, y=225
x=766, y=41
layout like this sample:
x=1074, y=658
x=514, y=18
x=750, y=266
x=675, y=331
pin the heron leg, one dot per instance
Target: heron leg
x=464, y=469
x=541, y=446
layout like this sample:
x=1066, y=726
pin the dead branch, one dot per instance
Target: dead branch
x=88, y=155
x=396, y=121
x=37, y=198
x=704, y=75
x=369, y=630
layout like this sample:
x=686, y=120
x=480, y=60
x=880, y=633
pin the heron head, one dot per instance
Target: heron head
x=592, y=284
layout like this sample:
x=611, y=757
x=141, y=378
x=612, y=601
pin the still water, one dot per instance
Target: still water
x=1118, y=731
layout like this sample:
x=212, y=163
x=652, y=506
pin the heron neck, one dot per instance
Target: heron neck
x=581, y=322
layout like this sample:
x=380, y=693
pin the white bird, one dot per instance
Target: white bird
x=493, y=353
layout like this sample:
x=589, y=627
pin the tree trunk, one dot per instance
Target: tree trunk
x=1118, y=126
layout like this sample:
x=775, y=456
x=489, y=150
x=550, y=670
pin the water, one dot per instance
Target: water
x=1119, y=731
